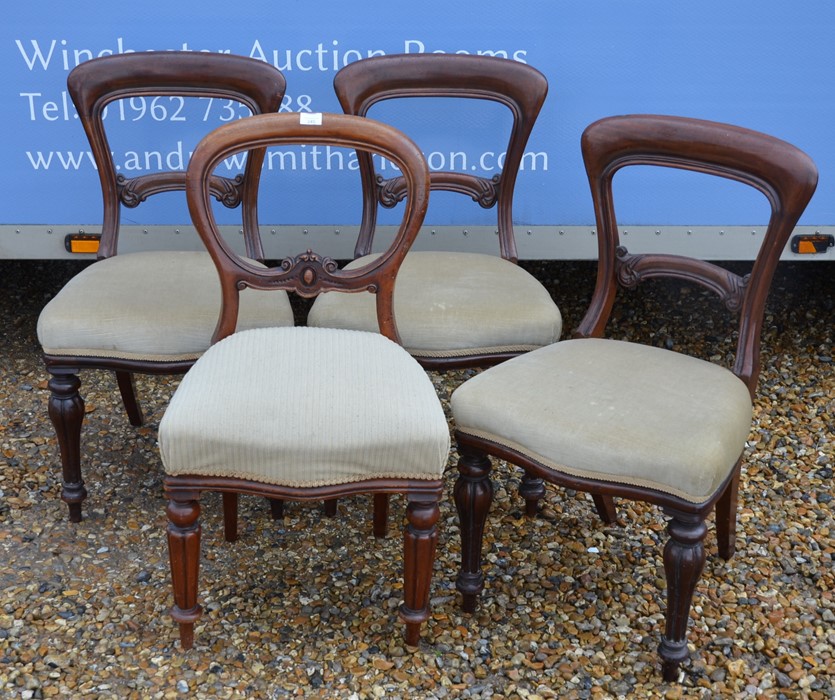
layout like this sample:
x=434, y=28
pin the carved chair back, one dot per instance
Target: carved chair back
x=786, y=176
x=94, y=84
x=518, y=86
x=309, y=273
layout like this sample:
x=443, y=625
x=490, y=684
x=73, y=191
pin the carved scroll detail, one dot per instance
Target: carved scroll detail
x=133, y=191
x=633, y=269
x=312, y=265
x=481, y=190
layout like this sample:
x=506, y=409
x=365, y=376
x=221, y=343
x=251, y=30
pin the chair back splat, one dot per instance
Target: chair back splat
x=305, y=413
x=626, y=419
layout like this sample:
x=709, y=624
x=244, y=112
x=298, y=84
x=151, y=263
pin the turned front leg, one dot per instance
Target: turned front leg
x=420, y=539
x=473, y=496
x=684, y=559
x=66, y=410
x=184, y=555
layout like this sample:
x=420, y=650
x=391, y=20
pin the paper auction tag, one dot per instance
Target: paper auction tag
x=312, y=118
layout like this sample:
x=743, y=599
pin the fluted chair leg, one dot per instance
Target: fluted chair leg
x=420, y=539
x=726, y=518
x=532, y=489
x=230, y=516
x=473, y=496
x=684, y=559
x=127, y=388
x=66, y=410
x=381, y=514
x=184, y=555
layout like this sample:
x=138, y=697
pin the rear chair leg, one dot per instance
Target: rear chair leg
x=381, y=514
x=726, y=518
x=532, y=489
x=127, y=388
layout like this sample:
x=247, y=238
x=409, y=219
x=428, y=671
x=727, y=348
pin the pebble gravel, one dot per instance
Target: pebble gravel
x=572, y=608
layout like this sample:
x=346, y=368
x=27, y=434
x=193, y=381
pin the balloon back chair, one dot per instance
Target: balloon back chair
x=454, y=309
x=153, y=311
x=626, y=419
x=305, y=413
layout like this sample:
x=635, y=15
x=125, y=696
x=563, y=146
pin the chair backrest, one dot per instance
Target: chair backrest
x=309, y=273
x=518, y=86
x=786, y=176
x=96, y=83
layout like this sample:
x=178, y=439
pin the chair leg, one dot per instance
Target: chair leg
x=230, y=516
x=66, y=410
x=532, y=489
x=127, y=388
x=381, y=514
x=419, y=543
x=276, y=508
x=330, y=507
x=726, y=518
x=184, y=554
x=684, y=559
x=473, y=496
x=605, y=506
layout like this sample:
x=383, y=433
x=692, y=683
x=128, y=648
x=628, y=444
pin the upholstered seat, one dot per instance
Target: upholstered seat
x=673, y=423
x=454, y=305
x=152, y=306
x=305, y=407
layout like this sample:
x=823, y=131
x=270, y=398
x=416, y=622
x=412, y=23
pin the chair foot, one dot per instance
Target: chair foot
x=184, y=556
x=66, y=410
x=419, y=542
x=605, y=506
x=532, y=489
x=127, y=388
x=684, y=559
x=726, y=508
x=473, y=495
x=381, y=514
x=330, y=507
x=230, y=516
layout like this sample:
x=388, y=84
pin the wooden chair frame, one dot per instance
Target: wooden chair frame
x=93, y=85
x=787, y=178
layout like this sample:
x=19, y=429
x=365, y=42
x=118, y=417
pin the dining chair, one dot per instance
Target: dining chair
x=626, y=419
x=464, y=308
x=151, y=312
x=305, y=413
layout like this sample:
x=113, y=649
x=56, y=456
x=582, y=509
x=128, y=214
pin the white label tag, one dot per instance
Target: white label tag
x=312, y=118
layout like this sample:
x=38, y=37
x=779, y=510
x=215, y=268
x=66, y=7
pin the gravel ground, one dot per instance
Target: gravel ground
x=572, y=608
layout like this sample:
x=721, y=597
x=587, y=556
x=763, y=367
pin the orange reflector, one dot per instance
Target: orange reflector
x=82, y=242
x=810, y=244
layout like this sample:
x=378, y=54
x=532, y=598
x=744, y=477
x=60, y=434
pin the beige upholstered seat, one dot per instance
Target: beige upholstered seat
x=670, y=422
x=305, y=407
x=617, y=418
x=151, y=306
x=454, y=305
x=305, y=413
x=454, y=309
x=148, y=312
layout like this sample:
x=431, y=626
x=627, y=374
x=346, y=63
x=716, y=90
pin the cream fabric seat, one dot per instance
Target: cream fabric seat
x=673, y=423
x=152, y=306
x=305, y=407
x=454, y=304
